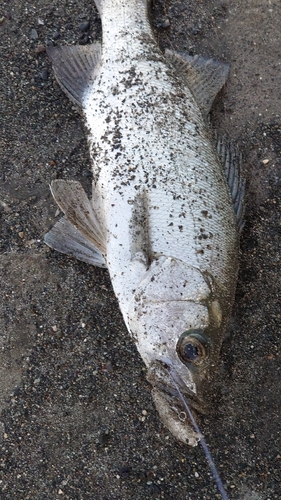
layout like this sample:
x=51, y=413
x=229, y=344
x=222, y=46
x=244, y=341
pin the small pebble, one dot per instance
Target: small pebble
x=154, y=489
x=182, y=7
x=165, y=24
x=44, y=74
x=125, y=471
x=196, y=474
x=56, y=35
x=109, y=367
x=84, y=39
x=144, y=412
x=84, y=26
x=16, y=391
x=150, y=474
x=103, y=438
x=224, y=4
x=21, y=234
x=33, y=34
x=39, y=49
x=2, y=430
x=265, y=162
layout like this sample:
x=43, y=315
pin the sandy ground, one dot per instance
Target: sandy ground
x=73, y=391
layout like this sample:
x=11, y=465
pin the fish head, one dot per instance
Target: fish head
x=176, y=324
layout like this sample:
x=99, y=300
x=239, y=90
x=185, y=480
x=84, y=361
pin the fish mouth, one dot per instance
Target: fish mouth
x=177, y=404
x=162, y=375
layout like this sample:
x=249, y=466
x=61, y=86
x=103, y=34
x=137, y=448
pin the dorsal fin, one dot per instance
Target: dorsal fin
x=204, y=76
x=73, y=201
x=74, y=68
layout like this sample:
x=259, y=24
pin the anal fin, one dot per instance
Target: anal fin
x=231, y=160
x=74, y=68
x=65, y=238
x=73, y=201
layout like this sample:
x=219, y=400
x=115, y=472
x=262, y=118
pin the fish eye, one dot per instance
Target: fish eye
x=192, y=347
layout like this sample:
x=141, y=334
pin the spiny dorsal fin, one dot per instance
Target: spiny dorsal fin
x=73, y=201
x=74, y=68
x=231, y=160
x=204, y=76
x=65, y=238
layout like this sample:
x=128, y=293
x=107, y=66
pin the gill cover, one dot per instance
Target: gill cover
x=170, y=299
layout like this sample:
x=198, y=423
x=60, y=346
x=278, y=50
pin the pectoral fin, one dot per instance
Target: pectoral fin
x=73, y=201
x=65, y=238
x=74, y=68
x=204, y=76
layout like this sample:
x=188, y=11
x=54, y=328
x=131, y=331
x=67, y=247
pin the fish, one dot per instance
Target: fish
x=167, y=201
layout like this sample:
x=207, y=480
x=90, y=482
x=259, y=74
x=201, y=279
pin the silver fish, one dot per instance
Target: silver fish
x=161, y=218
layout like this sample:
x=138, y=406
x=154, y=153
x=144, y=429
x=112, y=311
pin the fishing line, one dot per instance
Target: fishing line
x=204, y=445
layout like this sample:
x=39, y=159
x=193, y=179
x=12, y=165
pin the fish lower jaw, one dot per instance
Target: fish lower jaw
x=175, y=420
x=175, y=401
